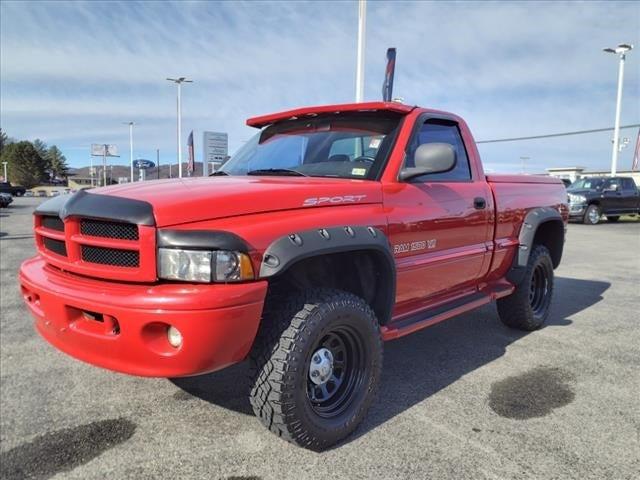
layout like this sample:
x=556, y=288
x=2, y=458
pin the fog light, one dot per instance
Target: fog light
x=174, y=336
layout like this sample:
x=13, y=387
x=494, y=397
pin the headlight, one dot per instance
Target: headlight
x=577, y=198
x=204, y=266
x=232, y=266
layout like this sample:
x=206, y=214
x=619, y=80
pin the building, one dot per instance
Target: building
x=574, y=173
x=80, y=183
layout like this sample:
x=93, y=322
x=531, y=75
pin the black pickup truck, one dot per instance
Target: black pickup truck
x=591, y=197
x=15, y=190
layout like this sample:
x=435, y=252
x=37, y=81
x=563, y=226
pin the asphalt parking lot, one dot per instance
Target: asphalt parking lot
x=467, y=398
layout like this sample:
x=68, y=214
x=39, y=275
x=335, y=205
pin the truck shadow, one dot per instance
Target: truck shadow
x=419, y=365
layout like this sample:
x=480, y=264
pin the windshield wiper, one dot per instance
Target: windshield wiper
x=218, y=173
x=276, y=171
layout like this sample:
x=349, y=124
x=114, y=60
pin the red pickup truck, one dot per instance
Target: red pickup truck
x=334, y=229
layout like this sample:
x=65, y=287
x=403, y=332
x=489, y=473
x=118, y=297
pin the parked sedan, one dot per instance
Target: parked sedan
x=591, y=197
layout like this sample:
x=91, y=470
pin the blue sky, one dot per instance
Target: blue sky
x=71, y=73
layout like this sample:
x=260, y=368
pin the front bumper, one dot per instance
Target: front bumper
x=123, y=326
x=577, y=210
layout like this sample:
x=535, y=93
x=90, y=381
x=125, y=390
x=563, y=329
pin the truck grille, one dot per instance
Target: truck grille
x=100, y=248
x=55, y=246
x=53, y=223
x=105, y=229
x=111, y=256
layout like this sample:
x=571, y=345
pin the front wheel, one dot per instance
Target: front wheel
x=527, y=308
x=316, y=366
x=592, y=215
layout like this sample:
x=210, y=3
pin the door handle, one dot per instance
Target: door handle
x=479, y=203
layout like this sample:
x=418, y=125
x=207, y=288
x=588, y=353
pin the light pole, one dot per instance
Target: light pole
x=524, y=161
x=362, y=27
x=4, y=164
x=179, y=81
x=131, y=124
x=621, y=51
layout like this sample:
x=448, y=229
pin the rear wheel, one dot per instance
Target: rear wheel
x=613, y=219
x=316, y=365
x=527, y=308
x=592, y=215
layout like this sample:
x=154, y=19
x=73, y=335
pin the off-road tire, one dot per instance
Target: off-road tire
x=519, y=310
x=586, y=219
x=613, y=218
x=291, y=329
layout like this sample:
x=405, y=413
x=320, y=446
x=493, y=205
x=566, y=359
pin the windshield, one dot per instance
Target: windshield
x=588, y=184
x=340, y=145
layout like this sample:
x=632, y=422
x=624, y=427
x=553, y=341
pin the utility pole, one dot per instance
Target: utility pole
x=179, y=82
x=362, y=27
x=131, y=124
x=158, y=161
x=621, y=50
x=524, y=160
x=4, y=164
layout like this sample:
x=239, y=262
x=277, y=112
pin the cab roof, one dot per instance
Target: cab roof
x=264, y=120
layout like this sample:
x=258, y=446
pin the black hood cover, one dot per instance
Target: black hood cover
x=100, y=207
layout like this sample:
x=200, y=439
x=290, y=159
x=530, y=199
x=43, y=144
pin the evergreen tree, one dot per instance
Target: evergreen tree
x=41, y=148
x=56, y=163
x=24, y=164
x=5, y=140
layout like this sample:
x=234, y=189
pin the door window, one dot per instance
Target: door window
x=612, y=184
x=441, y=131
x=628, y=185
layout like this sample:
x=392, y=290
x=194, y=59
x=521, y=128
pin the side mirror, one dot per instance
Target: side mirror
x=430, y=158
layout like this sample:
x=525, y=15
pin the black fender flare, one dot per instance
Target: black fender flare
x=532, y=221
x=290, y=249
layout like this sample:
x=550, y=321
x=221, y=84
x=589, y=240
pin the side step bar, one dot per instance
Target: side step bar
x=431, y=316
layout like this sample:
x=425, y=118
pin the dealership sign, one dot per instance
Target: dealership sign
x=143, y=164
x=215, y=147
x=104, y=150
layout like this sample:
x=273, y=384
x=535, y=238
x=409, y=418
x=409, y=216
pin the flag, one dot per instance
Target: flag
x=191, y=165
x=387, y=86
x=636, y=154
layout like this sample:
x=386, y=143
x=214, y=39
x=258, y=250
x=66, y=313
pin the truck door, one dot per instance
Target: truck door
x=612, y=198
x=440, y=225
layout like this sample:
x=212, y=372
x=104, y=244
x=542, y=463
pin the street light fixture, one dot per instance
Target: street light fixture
x=621, y=50
x=131, y=124
x=179, y=82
